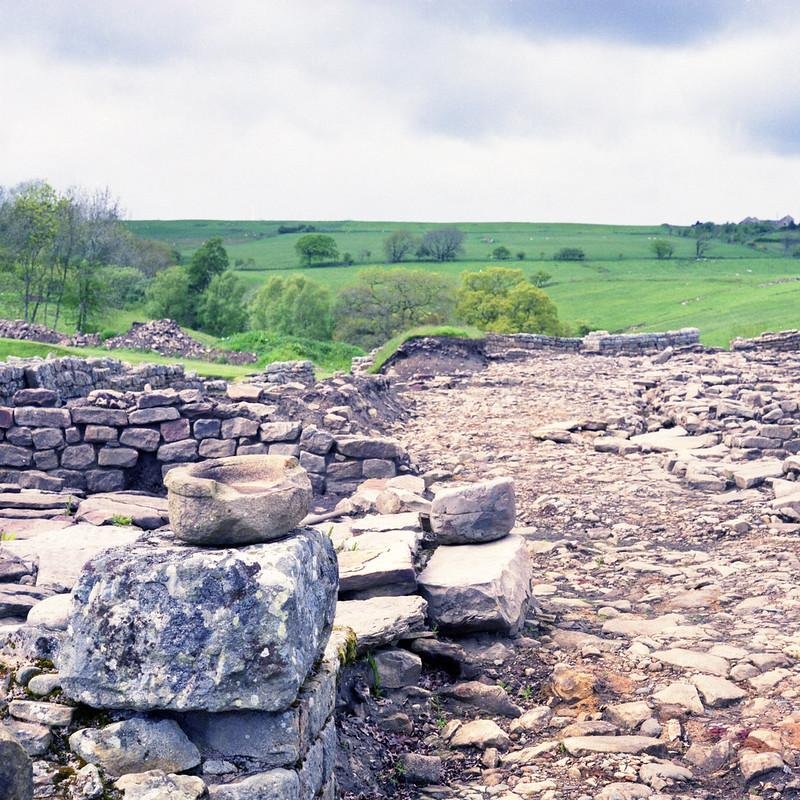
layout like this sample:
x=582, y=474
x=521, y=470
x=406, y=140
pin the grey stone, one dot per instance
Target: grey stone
x=340, y=470
x=379, y=468
x=16, y=600
x=46, y=459
x=16, y=770
x=144, y=439
x=34, y=397
x=34, y=738
x=217, y=448
x=105, y=480
x=285, y=449
x=100, y=434
x=279, y=431
x=379, y=564
x=42, y=685
x=80, y=456
x=12, y=456
x=155, y=399
x=397, y=668
x=312, y=462
x=370, y=447
x=632, y=745
x=35, y=479
x=88, y=783
x=236, y=427
x=315, y=440
x=478, y=587
x=42, y=417
x=420, y=769
x=486, y=698
x=124, y=457
x=206, y=428
x=277, y=784
x=54, y=715
x=47, y=438
x=158, y=785
x=185, y=450
x=478, y=512
x=175, y=430
x=238, y=500
x=51, y=613
x=19, y=436
x=258, y=449
x=148, y=416
x=381, y=621
x=188, y=629
x=136, y=745
x=96, y=415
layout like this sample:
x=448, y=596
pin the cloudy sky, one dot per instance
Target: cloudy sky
x=628, y=111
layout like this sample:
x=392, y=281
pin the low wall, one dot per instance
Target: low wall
x=112, y=441
x=784, y=341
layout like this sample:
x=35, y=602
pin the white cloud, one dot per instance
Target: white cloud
x=368, y=110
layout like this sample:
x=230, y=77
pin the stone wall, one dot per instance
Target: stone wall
x=111, y=440
x=72, y=377
x=784, y=341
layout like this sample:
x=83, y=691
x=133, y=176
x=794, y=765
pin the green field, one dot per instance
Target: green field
x=736, y=290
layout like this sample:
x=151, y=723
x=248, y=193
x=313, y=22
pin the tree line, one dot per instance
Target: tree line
x=70, y=253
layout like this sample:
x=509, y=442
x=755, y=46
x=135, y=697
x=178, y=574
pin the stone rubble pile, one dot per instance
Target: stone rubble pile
x=167, y=338
x=33, y=332
x=280, y=372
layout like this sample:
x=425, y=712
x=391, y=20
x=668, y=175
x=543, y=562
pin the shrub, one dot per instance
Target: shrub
x=569, y=254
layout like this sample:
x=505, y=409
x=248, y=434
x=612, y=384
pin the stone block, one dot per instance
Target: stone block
x=345, y=470
x=379, y=468
x=100, y=434
x=145, y=439
x=6, y=417
x=35, y=479
x=370, y=447
x=284, y=449
x=175, y=430
x=13, y=456
x=315, y=440
x=149, y=416
x=34, y=397
x=477, y=512
x=156, y=399
x=185, y=450
x=206, y=428
x=72, y=435
x=217, y=448
x=124, y=457
x=238, y=427
x=105, y=480
x=16, y=770
x=42, y=417
x=19, y=436
x=312, y=462
x=96, y=415
x=80, y=456
x=252, y=621
x=257, y=449
x=478, y=587
x=45, y=459
x=47, y=438
x=279, y=431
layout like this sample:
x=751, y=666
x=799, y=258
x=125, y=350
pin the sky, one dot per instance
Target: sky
x=607, y=111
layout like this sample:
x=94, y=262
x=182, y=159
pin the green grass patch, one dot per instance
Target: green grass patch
x=328, y=356
x=390, y=348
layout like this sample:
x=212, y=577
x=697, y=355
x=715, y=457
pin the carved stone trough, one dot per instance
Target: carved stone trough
x=237, y=500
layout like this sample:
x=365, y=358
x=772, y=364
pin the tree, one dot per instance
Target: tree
x=398, y=245
x=500, y=299
x=316, y=247
x=521, y=255
x=501, y=253
x=28, y=226
x=442, y=244
x=541, y=278
x=221, y=310
x=293, y=306
x=701, y=245
x=662, y=249
x=384, y=302
x=168, y=296
x=569, y=254
x=208, y=260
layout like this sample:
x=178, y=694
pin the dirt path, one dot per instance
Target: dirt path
x=675, y=610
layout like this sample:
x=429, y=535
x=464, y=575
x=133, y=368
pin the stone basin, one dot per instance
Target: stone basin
x=237, y=500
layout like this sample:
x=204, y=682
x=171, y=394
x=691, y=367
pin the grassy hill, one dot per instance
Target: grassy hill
x=736, y=290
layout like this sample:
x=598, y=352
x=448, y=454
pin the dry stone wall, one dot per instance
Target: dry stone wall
x=784, y=341
x=111, y=440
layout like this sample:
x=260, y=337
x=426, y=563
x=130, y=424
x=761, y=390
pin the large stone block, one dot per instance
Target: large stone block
x=12, y=456
x=16, y=770
x=163, y=626
x=97, y=415
x=370, y=447
x=42, y=417
x=477, y=512
x=478, y=587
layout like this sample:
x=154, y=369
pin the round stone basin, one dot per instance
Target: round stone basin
x=237, y=500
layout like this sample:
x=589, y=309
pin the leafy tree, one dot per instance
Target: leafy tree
x=701, y=245
x=541, y=279
x=293, y=306
x=316, y=247
x=662, y=249
x=387, y=301
x=569, y=254
x=168, y=296
x=500, y=299
x=28, y=226
x=208, y=260
x=221, y=310
x=501, y=253
x=521, y=255
x=442, y=244
x=347, y=259
x=397, y=245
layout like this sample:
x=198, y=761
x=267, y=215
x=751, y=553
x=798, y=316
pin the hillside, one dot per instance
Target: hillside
x=736, y=290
